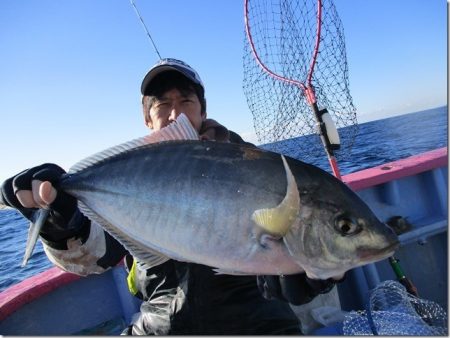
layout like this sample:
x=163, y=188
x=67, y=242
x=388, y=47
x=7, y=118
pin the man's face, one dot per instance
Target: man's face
x=172, y=103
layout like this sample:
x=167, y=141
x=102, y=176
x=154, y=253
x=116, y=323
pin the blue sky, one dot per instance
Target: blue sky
x=71, y=70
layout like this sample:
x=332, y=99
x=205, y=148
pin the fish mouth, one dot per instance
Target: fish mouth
x=372, y=254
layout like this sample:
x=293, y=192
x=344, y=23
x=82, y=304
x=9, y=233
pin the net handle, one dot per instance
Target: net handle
x=317, y=43
x=326, y=141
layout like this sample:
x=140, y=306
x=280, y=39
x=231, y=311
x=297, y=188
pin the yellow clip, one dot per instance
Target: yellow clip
x=131, y=279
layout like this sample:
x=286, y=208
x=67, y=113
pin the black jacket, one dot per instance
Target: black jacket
x=187, y=298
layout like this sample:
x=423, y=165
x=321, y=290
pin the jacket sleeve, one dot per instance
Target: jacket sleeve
x=296, y=289
x=92, y=251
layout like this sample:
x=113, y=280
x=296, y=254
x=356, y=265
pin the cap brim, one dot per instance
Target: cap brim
x=163, y=68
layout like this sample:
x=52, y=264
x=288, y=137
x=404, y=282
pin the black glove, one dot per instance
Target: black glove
x=296, y=289
x=65, y=220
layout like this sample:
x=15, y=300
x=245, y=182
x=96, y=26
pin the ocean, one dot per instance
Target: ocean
x=377, y=142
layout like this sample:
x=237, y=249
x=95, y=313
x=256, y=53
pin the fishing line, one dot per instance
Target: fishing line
x=145, y=28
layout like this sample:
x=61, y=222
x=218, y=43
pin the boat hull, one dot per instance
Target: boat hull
x=55, y=302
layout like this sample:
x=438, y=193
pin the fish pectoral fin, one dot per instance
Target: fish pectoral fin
x=277, y=221
x=268, y=241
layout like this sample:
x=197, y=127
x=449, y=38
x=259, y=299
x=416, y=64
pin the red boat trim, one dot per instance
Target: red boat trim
x=398, y=169
x=32, y=288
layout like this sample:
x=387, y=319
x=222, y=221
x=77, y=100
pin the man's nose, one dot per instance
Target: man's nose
x=174, y=112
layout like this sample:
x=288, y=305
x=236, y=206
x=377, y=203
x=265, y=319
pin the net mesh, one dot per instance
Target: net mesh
x=393, y=311
x=284, y=37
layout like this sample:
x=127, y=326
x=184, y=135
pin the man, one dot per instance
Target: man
x=178, y=297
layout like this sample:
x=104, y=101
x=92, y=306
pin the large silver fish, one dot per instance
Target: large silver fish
x=236, y=208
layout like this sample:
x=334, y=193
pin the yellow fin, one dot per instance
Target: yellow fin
x=278, y=220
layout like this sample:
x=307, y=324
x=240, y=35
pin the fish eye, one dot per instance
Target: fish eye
x=347, y=226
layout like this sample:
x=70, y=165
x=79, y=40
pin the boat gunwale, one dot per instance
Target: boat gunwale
x=398, y=169
x=33, y=288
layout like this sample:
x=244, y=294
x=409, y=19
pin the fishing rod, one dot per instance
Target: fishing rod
x=401, y=277
x=145, y=28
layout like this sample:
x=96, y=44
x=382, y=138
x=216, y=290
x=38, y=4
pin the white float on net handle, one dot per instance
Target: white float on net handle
x=330, y=127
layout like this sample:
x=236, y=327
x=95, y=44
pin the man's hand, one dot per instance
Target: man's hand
x=36, y=188
x=42, y=194
x=32, y=188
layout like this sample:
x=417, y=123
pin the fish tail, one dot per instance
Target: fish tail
x=33, y=234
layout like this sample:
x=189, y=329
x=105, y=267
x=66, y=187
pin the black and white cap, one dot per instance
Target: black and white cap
x=170, y=64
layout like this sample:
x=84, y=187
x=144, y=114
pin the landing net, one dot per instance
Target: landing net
x=302, y=51
x=394, y=311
